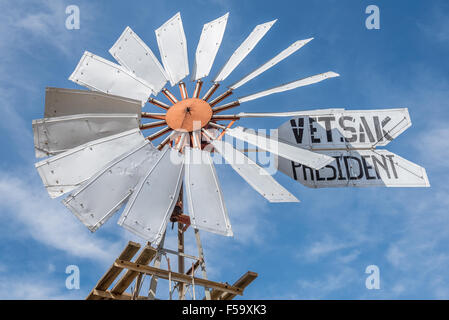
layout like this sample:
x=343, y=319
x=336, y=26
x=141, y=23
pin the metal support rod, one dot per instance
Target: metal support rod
x=181, y=246
x=221, y=97
x=157, y=264
x=198, y=86
x=159, y=133
x=203, y=263
x=183, y=90
x=137, y=287
x=217, y=126
x=222, y=117
x=158, y=103
x=153, y=125
x=164, y=142
x=151, y=115
x=226, y=106
x=169, y=96
x=211, y=91
x=179, y=253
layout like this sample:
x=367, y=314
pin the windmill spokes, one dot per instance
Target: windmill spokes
x=96, y=142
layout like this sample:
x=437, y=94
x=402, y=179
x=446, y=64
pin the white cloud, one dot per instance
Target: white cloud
x=27, y=206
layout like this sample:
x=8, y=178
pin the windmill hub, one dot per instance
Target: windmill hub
x=189, y=115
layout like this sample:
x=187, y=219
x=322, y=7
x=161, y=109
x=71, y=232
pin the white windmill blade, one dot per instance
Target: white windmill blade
x=205, y=200
x=173, y=49
x=290, y=86
x=210, y=41
x=97, y=73
x=271, y=63
x=243, y=50
x=132, y=53
x=65, y=102
x=105, y=193
x=151, y=204
x=58, y=134
x=66, y=171
x=303, y=156
x=256, y=176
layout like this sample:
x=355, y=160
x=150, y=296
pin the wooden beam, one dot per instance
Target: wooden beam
x=114, y=296
x=144, y=258
x=176, y=276
x=241, y=283
x=110, y=275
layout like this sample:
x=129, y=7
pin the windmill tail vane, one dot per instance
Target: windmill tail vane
x=105, y=153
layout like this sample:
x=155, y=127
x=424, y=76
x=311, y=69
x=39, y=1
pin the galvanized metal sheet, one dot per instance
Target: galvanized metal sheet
x=271, y=63
x=210, y=41
x=102, y=75
x=256, y=176
x=132, y=53
x=358, y=168
x=207, y=209
x=66, y=171
x=273, y=145
x=108, y=190
x=59, y=134
x=151, y=204
x=65, y=102
x=290, y=86
x=345, y=129
x=173, y=49
x=243, y=50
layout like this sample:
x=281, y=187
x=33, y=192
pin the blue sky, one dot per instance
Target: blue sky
x=316, y=249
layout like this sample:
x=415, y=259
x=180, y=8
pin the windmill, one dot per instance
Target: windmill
x=98, y=153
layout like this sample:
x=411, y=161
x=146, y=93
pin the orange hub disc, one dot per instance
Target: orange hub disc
x=188, y=115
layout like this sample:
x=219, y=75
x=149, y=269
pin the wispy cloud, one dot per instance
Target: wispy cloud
x=26, y=206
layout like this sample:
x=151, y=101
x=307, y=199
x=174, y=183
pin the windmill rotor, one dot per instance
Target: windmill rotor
x=108, y=154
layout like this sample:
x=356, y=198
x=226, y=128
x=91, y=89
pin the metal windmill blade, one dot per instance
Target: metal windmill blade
x=67, y=102
x=59, y=134
x=102, y=195
x=205, y=200
x=132, y=53
x=173, y=48
x=159, y=188
x=99, y=153
x=66, y=171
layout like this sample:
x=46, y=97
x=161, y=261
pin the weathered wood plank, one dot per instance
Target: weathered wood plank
x=144, y=258
x=176, y=276
x=241, y=283
x=110, y=275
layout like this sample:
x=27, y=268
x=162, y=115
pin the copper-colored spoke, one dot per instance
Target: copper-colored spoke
x=227, y=106
x=224, y=131
x=183, y=90
x=164, y=142
x=221, y=97
x=211, y=91
x=153, y=125
x=159, y=133
x=169, y=95
x=158, y=103
x=198, y=86
x=150, y=115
